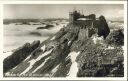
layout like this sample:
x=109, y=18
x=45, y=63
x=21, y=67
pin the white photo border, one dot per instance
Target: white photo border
x=63, y=2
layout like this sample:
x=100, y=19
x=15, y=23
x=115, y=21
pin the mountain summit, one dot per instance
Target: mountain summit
x=77, y=50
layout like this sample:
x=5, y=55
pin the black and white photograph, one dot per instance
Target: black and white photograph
x=63, y=40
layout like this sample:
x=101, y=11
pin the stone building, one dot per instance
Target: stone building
x=89, y=24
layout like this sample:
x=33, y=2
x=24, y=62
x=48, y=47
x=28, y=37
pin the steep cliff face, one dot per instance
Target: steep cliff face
x=69, y=53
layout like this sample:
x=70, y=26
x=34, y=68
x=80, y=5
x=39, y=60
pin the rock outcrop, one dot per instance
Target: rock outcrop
x=115, y=38
x=103, y=29
x=19, y=55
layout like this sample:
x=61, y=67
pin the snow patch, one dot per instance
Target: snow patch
x=97, y=39
x=40, y=65
x=73, y=69
x=54, y=70
x=15, y=67
x=32, y=62
x=52, y=38
x=43, y=48
x=110, y=47
x=69, y=42
x=28, y=58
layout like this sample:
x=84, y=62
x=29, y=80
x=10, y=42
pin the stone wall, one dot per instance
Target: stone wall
x=83, y=33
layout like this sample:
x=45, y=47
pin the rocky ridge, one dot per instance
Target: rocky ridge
x=67, y=54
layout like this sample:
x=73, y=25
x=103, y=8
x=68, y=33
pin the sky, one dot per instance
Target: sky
x=39, y=11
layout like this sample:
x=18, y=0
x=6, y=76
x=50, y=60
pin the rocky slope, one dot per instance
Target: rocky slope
x=67, y=54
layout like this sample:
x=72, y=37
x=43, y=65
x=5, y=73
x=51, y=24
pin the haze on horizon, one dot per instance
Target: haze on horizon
x=40, y=11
